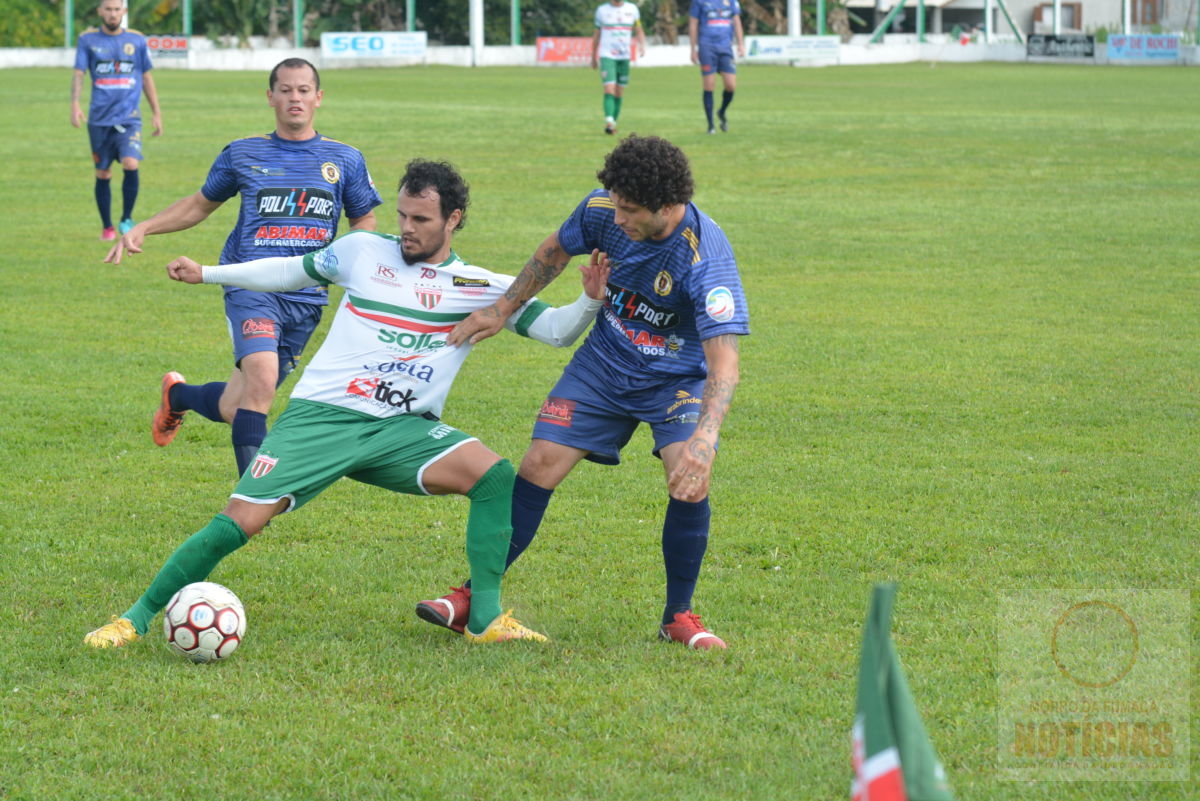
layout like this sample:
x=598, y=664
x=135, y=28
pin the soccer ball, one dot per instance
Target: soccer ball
x=204, y=622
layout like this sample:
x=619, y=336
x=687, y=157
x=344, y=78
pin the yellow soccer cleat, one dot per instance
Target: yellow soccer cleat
x=504, y=627
x=113, y=635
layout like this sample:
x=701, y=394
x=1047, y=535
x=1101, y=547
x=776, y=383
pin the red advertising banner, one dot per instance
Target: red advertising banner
x=564, y=50
x=176, y=46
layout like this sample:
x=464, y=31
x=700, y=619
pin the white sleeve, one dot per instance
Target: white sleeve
x=273, y=274
x=558, y=326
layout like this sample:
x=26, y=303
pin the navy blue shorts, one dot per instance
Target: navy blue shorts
x=584, y=411
x=714, y=60
x=115, y=142
x=263, y=321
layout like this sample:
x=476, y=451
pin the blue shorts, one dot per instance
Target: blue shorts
x=713, y=60
x=115, y=142
x=585, y=412
x=263, y=321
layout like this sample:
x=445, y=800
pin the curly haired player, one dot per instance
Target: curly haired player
x=663, y=351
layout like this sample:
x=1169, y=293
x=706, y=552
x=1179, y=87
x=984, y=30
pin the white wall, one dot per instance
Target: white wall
x=893, y=50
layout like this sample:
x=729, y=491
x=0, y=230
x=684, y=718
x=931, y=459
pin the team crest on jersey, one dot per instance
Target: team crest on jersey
x=330, y=172
x=429, y=296
x=262, y=465
x=128, y=49
x=663, y=283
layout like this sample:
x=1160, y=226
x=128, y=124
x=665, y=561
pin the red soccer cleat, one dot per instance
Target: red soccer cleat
x=451, y=611
x=688, y=630
x=167, y=421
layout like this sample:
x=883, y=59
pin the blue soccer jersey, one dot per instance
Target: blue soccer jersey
x=292, y=196
x=116, y=63
x=664, y=297
x=715, y=22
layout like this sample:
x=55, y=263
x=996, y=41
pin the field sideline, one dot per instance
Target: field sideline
x=973, y=368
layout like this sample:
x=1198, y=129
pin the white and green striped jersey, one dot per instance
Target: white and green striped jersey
x=616, y=24
x=386, y=352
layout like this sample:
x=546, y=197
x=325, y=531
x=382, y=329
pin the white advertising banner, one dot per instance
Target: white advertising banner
x=792, y=48
x=380, y=44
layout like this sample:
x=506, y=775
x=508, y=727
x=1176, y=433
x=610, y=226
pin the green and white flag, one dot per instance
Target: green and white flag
x=893, y=758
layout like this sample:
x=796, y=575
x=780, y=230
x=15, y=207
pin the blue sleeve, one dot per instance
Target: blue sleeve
x=573, y=234
x=719, y=301
x=82, y=60
x=696, y=10
x=360, y=195
x=144, y=62
x=221, y=183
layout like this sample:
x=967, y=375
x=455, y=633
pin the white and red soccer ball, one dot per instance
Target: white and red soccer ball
x=204, y=622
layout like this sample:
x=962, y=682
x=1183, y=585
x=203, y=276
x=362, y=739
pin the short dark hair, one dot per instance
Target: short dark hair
x=293, y=64
x=453, y=192
x=648, y=171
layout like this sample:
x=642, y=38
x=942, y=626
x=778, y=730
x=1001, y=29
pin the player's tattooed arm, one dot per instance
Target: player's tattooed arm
x=542, y=268
x=546, y=264
x=721, y=352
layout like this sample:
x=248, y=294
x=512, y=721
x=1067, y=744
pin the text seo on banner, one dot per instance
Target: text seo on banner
x=379, y=44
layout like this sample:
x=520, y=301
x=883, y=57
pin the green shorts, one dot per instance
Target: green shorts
x=614, y=70
x=312, y=445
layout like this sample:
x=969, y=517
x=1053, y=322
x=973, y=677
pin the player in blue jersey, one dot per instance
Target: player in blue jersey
x=294, y=186
x=663, y=351
x=368, y=406
x=714, y=26
x=119, y=63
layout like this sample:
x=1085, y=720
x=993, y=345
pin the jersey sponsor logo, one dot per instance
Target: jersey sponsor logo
x=631, y=306
x=420, y=342
x=304, y=202
x=291, y=236
x=663, y=283
x=262, y=465
x=428, y=296
x=407, y=367
x=381, y=391
x=557, y=412
x=330, y=172
x=113, y=68
x=471, y=287
x=258, y=328
x=719, y=304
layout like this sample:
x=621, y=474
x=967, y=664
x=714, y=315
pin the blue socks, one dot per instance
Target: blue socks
x=204, y=399
x=104, y=201
x=129, y=193
x=726, y=99
x=684, y=541
x=249, y=431
x=708, y=107
x=529, y=505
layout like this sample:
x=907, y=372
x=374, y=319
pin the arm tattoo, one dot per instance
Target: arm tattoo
x=538, y=272
x=718, y=393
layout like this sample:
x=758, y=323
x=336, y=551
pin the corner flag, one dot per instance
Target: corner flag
x=893, y=758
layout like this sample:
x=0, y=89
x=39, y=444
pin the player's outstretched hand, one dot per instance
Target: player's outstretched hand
x=185, y=270
x=481, y=324
x=130, y=241
x=595, y=275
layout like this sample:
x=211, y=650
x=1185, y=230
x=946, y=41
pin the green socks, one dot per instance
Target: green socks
x=489, y=529
x=193, y=561
x=616, y=115
x=610, y=106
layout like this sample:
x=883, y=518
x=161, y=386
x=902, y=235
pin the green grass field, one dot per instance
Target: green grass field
x=974, y=369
